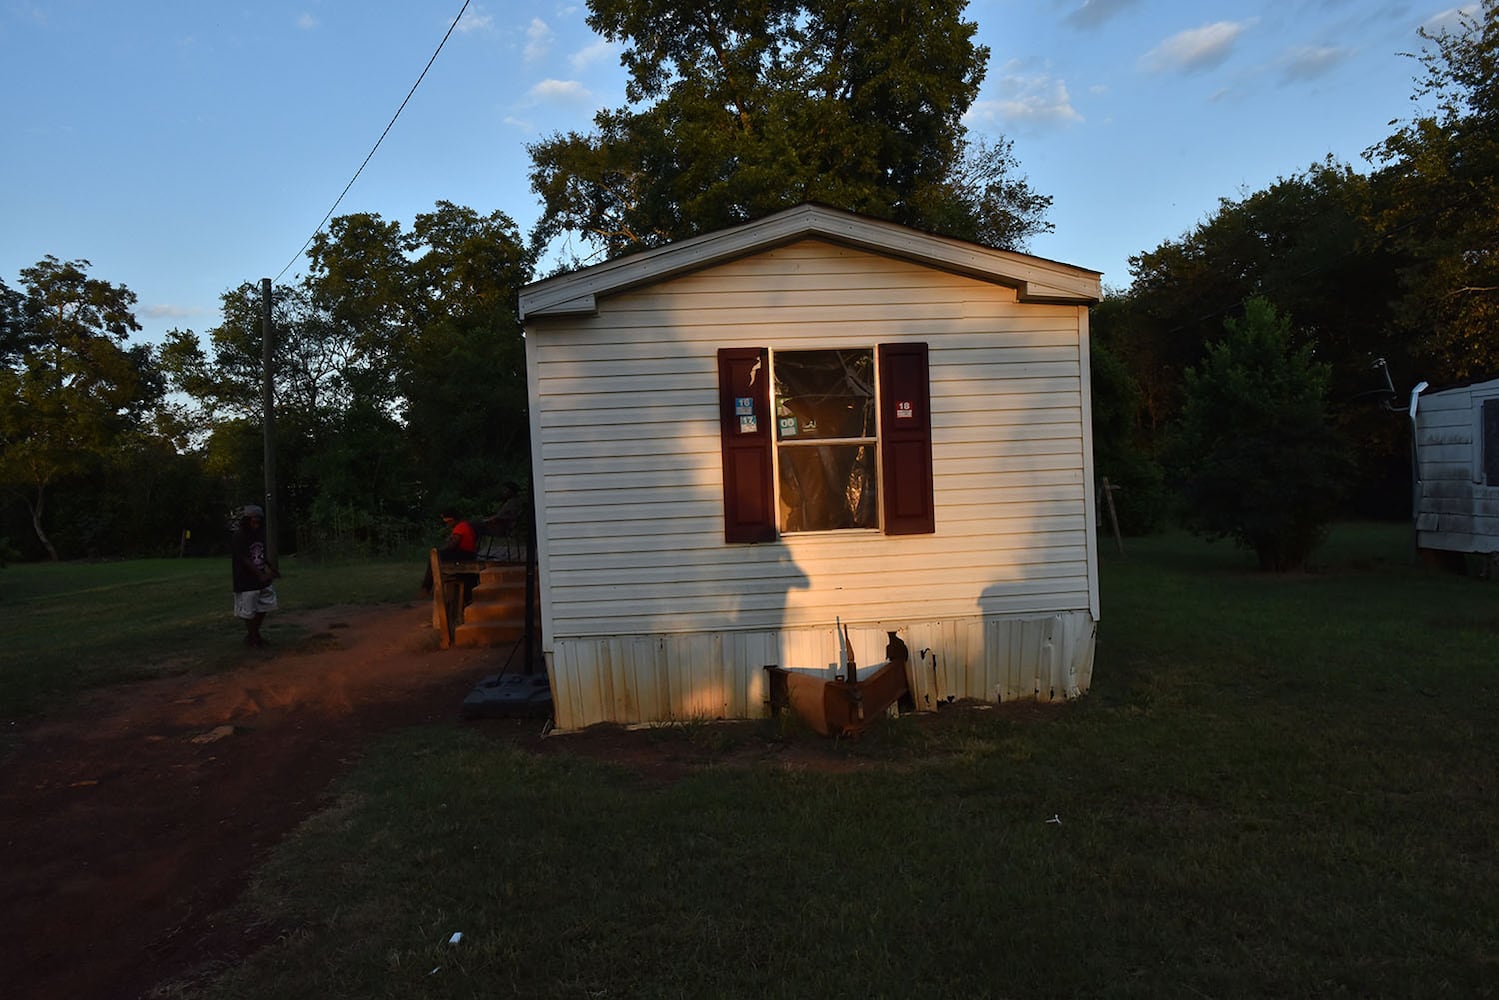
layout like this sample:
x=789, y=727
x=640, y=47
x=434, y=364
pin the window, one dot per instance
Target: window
x=844, y=439
x=1489, y=442
x=825, y=440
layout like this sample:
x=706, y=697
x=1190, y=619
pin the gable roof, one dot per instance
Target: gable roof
x=1034, y=279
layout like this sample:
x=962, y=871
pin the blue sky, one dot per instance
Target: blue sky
x=186, y=147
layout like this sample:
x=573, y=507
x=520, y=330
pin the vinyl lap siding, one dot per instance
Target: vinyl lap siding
x=628, y=433
x=1456, y=510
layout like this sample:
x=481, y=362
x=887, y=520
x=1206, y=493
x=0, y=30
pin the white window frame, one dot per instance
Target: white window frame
x=1478, y=398
x=872, y=442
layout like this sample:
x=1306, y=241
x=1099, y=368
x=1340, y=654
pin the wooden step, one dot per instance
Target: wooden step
x=496, y=615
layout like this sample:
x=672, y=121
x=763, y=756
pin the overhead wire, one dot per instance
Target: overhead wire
x=337, y=201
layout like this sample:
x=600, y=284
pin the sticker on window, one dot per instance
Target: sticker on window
x=788, y=426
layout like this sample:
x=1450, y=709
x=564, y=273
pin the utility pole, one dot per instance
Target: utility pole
x=268, y=419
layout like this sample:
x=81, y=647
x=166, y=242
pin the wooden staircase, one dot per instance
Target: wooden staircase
x=497, y=614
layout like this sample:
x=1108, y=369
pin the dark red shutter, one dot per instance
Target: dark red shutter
x=906, y=440
x=745, y=425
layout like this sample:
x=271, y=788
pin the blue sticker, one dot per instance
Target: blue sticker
x=744, y=406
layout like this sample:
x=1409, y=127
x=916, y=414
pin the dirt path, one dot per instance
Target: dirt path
x=130, y=821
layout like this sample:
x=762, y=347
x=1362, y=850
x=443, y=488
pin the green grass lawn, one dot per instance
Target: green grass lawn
x=1278, y=786
x=66, y=627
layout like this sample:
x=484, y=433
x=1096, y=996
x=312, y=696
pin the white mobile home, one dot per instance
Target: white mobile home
x=743, y=438
x=1457, y=462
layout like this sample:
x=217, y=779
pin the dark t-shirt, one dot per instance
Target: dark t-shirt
x=248, y=552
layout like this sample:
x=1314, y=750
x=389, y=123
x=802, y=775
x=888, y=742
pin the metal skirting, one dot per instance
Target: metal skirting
x=720, y=675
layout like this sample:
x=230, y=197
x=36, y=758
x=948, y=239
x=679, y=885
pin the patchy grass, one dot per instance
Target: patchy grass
x=67, y=627
x=1279, y=786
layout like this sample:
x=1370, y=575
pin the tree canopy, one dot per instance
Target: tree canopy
x=1439, y=198
x=70, y=389
x=399, y=369
x=1257, y=456
x=739, y=109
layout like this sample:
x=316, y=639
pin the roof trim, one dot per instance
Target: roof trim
x=1034, y=279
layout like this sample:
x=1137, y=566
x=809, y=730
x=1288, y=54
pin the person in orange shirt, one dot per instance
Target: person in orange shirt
x=462, y=546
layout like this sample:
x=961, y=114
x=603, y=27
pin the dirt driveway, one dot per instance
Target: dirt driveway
x=130, y=821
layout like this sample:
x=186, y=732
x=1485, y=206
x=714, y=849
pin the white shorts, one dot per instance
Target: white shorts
x=249, y=603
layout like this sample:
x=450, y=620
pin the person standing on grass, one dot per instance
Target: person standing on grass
x=254, y=594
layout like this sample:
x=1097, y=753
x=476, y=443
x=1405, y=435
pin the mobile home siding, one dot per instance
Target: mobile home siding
x=1457, y=507
x=648, y=614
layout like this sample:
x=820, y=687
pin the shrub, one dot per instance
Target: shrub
x=1257, y=458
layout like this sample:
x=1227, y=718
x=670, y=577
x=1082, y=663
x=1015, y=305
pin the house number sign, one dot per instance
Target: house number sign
x=904, y=410
x=744, y=409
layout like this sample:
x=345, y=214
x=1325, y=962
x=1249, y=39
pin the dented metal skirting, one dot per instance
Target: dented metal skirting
x=634, y=680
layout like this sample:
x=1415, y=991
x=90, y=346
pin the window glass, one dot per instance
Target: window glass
x=824, y=394
x=1491, y=442
x=825, y=433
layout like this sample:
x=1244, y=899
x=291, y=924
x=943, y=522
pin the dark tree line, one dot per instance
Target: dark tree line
x=1394, y=270
x=399, y=374
x=399, y=362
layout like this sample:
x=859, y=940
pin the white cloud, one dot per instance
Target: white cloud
x=1094, y=12
x=474, y=19
x=1196, y=48
x=598, y=51
x=167, y=311
x=1027, y=99
x=559, y=92
x=306, y=22
x=1450, y=20
x=538, y=39
x=1310, y=61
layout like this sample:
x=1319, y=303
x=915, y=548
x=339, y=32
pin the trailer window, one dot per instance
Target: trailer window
x=826, y=443
x=1490, y=443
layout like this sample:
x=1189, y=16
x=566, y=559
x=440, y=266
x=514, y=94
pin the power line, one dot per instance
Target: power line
x=376, y=146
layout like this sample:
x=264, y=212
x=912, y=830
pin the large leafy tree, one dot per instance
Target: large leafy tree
x=70, y=386
x=1439, y=190
x=399, y=368
x=1308, y=243
x=335, y=422
x=464, y=391
x=1258, y=459
x=1304, y=242
x=738, y=109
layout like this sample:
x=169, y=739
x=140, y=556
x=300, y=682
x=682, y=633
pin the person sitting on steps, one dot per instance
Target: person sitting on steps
x=462, y=545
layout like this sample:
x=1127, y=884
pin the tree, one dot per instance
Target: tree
x=399, y=370
x=740, y=109
x=69, y=387
x=467, y=271
x=1122, y=449
x=1439, y=190
x=1258, y=459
